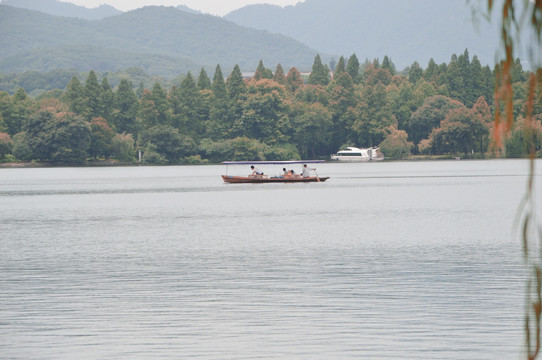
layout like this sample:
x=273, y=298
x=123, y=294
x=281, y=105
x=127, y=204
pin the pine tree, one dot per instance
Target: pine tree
x=431, y=72
x=23, y=107
x=6, y=112
x=415, y=72
x=191, y=104
x=263, y=71
x=279, y=76
x=159, y=97
x=75, y=96
x=352, y=67
x=204, y=83
x=219, y=122
x=476, y=81
x=148, y=113
x=387, y=64
x=320, y=73
x=126, y=109
x=339, y=68
x=293, y=80
x=140, y=89
x=235, y=84
x=92, y=93
x=107, y=100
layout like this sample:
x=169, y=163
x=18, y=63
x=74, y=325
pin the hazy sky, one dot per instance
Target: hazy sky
x=215, y=7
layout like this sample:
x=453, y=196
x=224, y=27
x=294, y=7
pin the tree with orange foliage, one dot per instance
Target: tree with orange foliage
x=512, y=24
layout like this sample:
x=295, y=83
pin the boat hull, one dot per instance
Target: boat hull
x=265, y=179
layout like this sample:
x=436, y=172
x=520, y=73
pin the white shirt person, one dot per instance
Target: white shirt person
x=306, y=171
x=256, y=171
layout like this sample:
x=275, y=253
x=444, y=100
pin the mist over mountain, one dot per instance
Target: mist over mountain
x=58, y=8
x=161, y=40
x=405, y=31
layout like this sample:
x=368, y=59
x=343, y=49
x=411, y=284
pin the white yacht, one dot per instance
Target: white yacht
x=355, y=154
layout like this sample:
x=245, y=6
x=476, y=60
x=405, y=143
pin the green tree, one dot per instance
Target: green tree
x=219, y=123
x=457, y=78
x=353, y=68
x=235, y=84
x=63, y=138
x=101, y=136
x=6, y=145
x=191, y=108
x=262, y=72
x=169, y=142
x=159, y=98
x=431, y=73
x=341, y=98
x=484, y=118
x=139, y=90
x=107, y=100
x=148, y=111
x=126, y=109
x=204, y=83
x=396, y=144
x=38, y=137
x=92, y=93
x=237, y=90
x=69, y=137
x=320, y=73
x=122, y=147
x=372, y=116
x=340, y=67
x=6, y=111
x=75, y=96
x=22, y=107
x=312, y=124
x=376, y=76
x=293, y=80
x=458, y=132
x=429, y=116
x=404, y=103
x=476, y=82
x=387, y=64
x=21, y=150
x=279, y=75
x=265, y=114
x=415, y=72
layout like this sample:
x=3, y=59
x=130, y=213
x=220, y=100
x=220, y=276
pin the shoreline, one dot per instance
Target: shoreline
x=114, y=163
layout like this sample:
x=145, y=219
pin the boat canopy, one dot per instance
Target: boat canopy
x=273, y=162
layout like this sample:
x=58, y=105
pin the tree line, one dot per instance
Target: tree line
x=444, y=109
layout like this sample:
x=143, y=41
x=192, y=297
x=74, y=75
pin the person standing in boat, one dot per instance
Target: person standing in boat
x=307, y=171
x=256, y=171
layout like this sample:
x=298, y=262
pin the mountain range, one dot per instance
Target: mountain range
x=44, y=35
x=404, y=30
x=161, y=40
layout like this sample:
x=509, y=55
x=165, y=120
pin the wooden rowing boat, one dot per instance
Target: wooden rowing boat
x=266, y=179
x=258, y=179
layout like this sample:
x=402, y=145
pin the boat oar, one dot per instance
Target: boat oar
x=317, y=177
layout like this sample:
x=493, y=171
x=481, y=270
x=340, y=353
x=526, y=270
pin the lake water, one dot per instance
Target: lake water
x=390, y=260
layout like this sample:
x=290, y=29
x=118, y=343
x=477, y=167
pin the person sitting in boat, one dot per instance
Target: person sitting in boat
x=307, y=171
x=285, y=173
x=256, y=171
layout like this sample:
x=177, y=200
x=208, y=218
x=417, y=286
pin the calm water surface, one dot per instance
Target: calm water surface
x=392, y=260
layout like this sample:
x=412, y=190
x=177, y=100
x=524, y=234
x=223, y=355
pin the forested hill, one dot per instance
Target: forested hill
x=161, y=40
x=405, y=31
x=61, y=8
